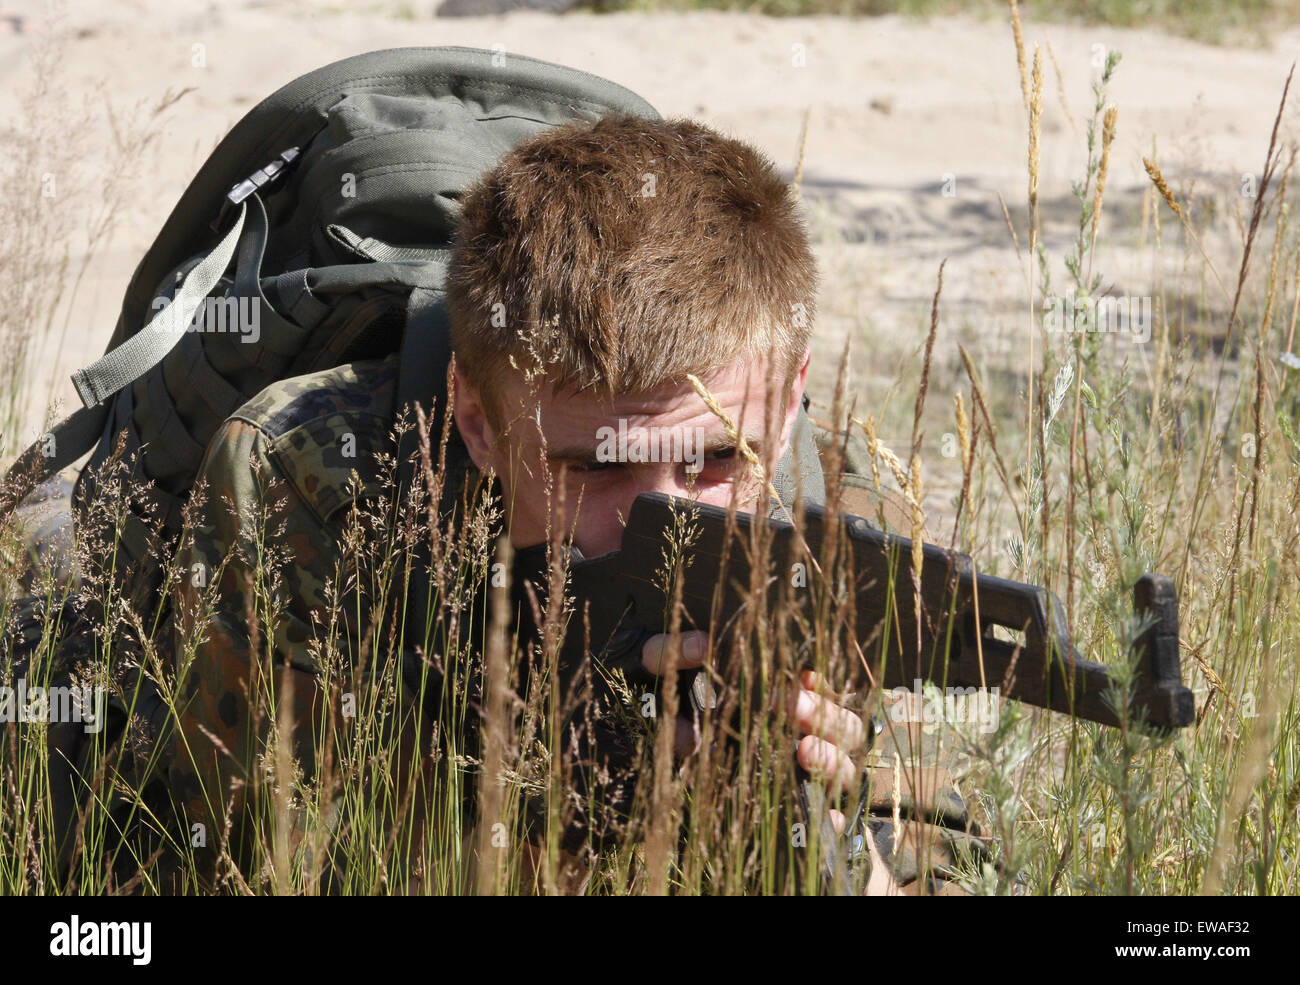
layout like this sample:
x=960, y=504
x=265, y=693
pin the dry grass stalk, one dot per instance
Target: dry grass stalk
x=796, y=184
x=918, y=540
x=966, y=440
x=1295, y=304
x=1060, y=85
x=1006, y=216
x=491, y=856
x=1019, y=35
x=1158, y=179
x=923, y=388
x=1107, y=137
x=1035, y=132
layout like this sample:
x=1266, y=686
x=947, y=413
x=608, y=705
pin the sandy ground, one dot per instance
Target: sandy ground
x=894, y=107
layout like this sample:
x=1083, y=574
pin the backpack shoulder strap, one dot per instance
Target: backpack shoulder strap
x=425, y=360
x=79, y=433
x=146, y=348
x=422, y=373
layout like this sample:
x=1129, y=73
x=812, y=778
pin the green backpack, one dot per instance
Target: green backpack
x=317, y=233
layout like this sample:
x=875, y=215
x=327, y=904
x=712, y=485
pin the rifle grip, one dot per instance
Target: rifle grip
x=1158, y=646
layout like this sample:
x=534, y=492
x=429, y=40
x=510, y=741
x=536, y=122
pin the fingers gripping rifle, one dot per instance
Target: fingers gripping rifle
x=975, y=630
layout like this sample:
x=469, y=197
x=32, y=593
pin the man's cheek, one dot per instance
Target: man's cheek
x=716, y=494
x=578, y=499
x=741, y=487
x=584, y=508
x=599, y=526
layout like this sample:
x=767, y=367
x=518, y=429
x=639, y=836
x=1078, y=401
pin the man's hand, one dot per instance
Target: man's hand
x=831, y=734
x=654, y=658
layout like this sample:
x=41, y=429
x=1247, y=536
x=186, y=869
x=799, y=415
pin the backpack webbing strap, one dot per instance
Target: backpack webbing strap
x=78, y=434
x=296, y=298
x=372, y=248
x=60, y=447
x=146, y=348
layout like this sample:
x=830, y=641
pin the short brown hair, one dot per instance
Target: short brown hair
x=627, y=253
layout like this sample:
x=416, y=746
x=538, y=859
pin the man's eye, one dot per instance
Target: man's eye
x=722, y=459
x=592, y=466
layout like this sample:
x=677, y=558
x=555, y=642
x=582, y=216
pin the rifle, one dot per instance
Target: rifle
x=975, y=630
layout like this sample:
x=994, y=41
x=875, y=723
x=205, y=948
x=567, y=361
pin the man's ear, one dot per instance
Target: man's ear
x=472, y=421
x=798, y=384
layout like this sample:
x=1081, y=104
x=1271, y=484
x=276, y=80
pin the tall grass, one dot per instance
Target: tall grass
x=471, y=774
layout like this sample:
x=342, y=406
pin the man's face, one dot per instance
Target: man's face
x=609, y=451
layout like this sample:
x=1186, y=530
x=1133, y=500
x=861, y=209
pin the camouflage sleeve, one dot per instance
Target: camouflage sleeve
x=240, y=553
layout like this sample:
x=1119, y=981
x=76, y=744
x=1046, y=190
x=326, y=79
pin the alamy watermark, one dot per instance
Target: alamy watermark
x=77, y=938
x=928, y=705
x=653, y=444
x=1128, y=316
x=56, y=705
x=229, y=315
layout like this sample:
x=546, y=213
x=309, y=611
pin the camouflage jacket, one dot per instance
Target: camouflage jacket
x=282, y=479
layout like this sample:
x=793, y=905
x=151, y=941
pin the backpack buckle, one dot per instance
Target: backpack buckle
x=256, y=181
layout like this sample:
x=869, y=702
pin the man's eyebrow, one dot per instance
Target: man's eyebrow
x=572, y=453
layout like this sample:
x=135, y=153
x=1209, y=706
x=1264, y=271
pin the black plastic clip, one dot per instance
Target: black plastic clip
x=256, y=181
